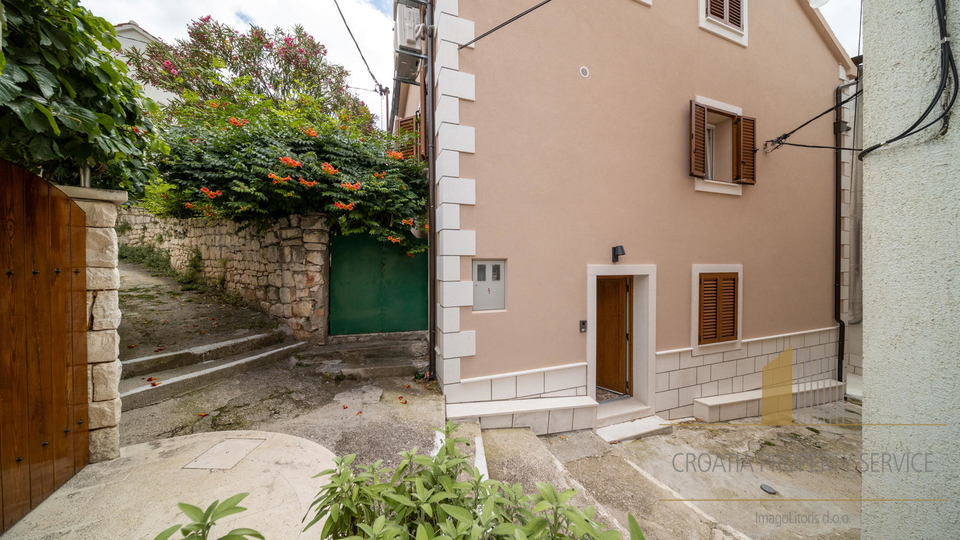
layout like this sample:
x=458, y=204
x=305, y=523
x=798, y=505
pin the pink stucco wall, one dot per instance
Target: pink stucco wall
x=567, y=167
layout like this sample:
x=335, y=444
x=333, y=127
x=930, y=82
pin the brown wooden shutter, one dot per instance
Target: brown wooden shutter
x=745, y=156
x=709, y=303
x=406, y=126
x=717, y=9
x=728, y=307
x=735, y=13
x=698, y=140
x=718, y=308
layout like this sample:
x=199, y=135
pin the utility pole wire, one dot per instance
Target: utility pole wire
x=380, y=88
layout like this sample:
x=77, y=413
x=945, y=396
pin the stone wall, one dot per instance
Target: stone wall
x=284, y=270
x=103, y=312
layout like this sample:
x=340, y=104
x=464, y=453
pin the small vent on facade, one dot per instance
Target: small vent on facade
x=584, y=72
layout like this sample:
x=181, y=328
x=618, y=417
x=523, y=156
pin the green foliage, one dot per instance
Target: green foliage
x=443, y=497
x=201, y=522
x=65, y=101
x=193, y=273
x=217, y=62
x=259, y=160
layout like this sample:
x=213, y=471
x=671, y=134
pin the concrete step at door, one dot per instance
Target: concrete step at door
x=621, y=487
x=140, y=392
x=137, y=367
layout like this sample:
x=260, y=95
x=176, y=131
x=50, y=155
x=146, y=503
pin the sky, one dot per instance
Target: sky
x=370, y=20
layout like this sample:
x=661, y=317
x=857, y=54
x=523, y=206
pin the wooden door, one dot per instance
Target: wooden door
x=613, y=321
x=43, y=357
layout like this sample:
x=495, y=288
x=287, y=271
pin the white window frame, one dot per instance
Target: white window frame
x=723, y=346
x=722, y=29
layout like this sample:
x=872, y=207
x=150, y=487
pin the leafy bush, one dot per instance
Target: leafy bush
x=216, y=62
x=256, y=163
x=65, y=101
x=443, y=497
x=201, y=522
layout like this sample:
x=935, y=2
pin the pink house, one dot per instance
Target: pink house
x=612, y=243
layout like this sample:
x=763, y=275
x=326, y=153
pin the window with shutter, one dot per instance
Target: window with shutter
x=729, y=12
x=718, y=308
x=722, y=145
x=725, y=18
x=408, y=127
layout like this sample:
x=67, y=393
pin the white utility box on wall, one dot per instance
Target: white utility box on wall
x=489, y=285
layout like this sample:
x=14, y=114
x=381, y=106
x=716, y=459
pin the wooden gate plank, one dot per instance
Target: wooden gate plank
x=59, y=338
x=78, y=315
x=14, y=474
x=38, y=339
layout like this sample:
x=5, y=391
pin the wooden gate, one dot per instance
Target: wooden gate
x=43, y=341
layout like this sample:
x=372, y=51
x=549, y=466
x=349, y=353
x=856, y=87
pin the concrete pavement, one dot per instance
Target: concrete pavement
x=136, y=496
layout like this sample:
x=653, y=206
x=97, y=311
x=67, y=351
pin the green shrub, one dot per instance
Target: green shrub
x=444, y=497
x=202, y=522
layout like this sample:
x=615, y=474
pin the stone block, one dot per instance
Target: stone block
x=103, y=346
x=313, y=221
x=287, y=295
x=106, y=310
x=287, y=234
x=302, y=309
x=315, y=257
x=101, y=248
x=104, y=413
x=99, y=214
x=316, y=236
x=106, y=381
x=103, y=278
x=104, y=444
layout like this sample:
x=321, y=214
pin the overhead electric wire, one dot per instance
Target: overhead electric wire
x=948, y=68
x=781, y=140
x=501, y=25
x=380, y=88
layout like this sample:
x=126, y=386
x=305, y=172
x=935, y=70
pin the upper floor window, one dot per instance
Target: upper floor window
x=722, y=145
x=725, y=18
x=729, y=12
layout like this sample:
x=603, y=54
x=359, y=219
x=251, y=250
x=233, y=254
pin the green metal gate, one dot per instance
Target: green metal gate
x=375, y=287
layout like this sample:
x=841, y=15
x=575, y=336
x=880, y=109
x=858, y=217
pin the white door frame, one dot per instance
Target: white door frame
x=644, y=329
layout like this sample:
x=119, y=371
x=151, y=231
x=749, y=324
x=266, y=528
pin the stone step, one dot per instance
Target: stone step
x=138, y=392
x=748, y=404
x=361, y=351
x=621, y=410
x=385, y=337
x=635, y=429
x=542, y=415
x=371, y=368
x=160, y=362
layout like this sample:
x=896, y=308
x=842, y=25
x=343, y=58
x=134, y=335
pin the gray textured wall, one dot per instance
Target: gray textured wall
x=911, y=276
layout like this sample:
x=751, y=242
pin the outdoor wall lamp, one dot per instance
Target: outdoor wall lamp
x=617, y=253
